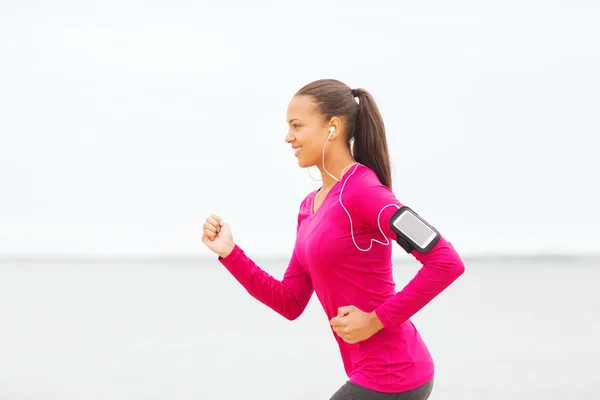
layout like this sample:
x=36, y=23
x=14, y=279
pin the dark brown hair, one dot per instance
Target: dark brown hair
x=365, y=128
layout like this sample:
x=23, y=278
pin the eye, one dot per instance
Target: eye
x=296, y=126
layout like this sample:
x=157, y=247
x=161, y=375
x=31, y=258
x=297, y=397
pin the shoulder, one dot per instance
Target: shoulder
x=306, y=201
x=364, y=194
x=304, y=209
x=360, y=178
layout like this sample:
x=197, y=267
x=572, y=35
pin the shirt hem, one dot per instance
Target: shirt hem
x=393, y=389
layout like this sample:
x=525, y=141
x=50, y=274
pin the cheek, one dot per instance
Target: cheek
x=310, y=154
x=312, y=145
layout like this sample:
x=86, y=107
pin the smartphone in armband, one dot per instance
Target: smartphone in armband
x=412, y=231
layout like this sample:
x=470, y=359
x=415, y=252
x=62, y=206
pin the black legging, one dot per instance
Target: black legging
x=352, y=391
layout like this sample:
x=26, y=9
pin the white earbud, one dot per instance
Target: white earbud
x=331, y=130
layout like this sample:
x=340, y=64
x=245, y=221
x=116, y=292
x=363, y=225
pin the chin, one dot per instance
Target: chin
x=304, y=164
x=306, y=159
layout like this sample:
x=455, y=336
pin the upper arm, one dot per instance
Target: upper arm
x=371, y=203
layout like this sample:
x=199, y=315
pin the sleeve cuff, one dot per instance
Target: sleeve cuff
x=236, y=262
x=235, y=253
x=386, y=320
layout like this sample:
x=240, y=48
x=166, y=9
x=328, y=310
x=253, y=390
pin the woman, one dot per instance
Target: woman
x=343, y=248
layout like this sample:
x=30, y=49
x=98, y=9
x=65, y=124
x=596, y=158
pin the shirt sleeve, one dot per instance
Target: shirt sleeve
x=439, y=267
x=288, y=297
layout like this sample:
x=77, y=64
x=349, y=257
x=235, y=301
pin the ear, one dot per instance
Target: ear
x=336, y=124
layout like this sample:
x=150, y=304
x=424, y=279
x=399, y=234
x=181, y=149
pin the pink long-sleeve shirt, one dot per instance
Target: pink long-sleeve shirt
x=326, y=261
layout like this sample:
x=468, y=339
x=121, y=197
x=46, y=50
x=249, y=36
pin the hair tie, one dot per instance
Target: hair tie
x=354, y=94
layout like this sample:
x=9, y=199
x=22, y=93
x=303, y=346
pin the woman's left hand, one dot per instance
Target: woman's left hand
x=354, y=325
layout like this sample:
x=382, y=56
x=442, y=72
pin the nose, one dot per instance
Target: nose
x=289, y=137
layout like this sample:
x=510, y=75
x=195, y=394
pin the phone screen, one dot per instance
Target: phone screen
x=415, y=229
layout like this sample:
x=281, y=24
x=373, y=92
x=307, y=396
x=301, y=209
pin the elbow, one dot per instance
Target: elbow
x=291, y=315
x=295, y=305
x=445, y=259
x=453, y=266
x=456, y=266
x=290, y=311
x=459, y=268
x=294, y=311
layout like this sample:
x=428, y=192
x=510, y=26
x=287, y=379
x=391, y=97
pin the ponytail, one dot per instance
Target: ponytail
x=370, y=143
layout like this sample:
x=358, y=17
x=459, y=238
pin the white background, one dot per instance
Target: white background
x=124, y=124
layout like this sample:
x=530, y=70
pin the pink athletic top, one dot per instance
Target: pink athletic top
x=326, y=261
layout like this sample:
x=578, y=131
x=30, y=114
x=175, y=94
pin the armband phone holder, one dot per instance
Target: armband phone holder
x=412, y=231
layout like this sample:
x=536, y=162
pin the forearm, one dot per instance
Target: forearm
x=288, y=297
x=440, y=267
x=373, y=205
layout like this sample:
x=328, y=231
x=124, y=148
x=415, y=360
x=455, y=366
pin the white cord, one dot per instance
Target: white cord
x=387, y=241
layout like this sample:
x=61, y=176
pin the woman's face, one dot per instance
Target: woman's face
x=308, y=131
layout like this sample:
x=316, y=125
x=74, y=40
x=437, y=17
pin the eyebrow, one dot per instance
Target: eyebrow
x=292, y=120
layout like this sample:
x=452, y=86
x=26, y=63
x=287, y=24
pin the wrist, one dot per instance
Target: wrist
x=227, y=251
x=375, y=322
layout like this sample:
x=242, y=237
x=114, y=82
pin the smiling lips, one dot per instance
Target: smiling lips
x=296, y=150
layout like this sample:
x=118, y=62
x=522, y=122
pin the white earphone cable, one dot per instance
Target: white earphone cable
x=387, y=241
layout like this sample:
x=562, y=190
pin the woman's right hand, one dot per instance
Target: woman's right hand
x=217, y=236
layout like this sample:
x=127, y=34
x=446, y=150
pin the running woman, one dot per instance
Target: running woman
x=343, y=248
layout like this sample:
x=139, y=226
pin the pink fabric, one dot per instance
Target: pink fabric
x=325, y=261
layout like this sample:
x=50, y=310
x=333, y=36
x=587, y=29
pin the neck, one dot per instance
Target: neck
x=336, y=166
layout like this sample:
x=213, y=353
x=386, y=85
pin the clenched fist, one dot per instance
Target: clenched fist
x=217, y=236
x=354, y=325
